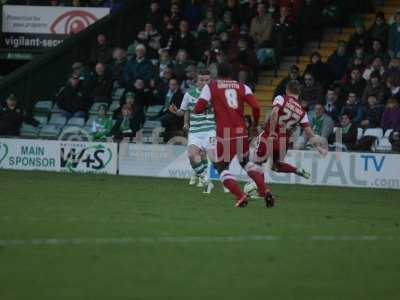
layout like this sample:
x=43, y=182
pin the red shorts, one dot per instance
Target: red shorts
x=276, y=148
x=227, y=149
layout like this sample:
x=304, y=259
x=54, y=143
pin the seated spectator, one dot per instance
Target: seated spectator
x=375, y=86
x=101, y=51
x=393, y=69
x=126, y=126
x=139, y=67
x=184, y=39
x=353, y=108
x=391, y=115
x=319, y=69
x=355, y=83
x=348, y=132
x=312, y=92
x=117, y=67
x=205, y=37
x=379, y=29
x=294, y=75
x=373, y=113
x=321, y=123
x=338, y=61
x=190, y=79
x=376, y=66
x=392, y=88
x=193, y=13
x=102, y=125
x=261, y=27
x=151, y=39
x=175, y=14
x=332, y=104
x=233, y=8
x=248, y=11
x=394, y=37
x=100, y=85
x=172, y=101
x=377, y=51
x=72, y=100
x=12, y=117
x=81, y=71
x=129, y=98
x=155, y=15
x=142, y=97
x=242, y=57
x=333, y=14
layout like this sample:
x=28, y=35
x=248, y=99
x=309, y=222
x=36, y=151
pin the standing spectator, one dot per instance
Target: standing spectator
x=100, y=85
x=311, y=92
x=294, y=75
x=375, y=87
x=321, y=123
x=184, y=39
x=319, y=69
x=373, y=113
x=338, y=61
x=380, y=29
x=72, y=100
x=155, y=16
x=12, y=117
x=391, y=115
x=151, y=39
x=349, y=131
x=139, y=66
x=242, y=57
x=117, y=67
x=102, y=125
x=164, y=61
x=394, y=37
x=353, y=108
x=359, y=37
x=332, y=104
x=261, y=27
x=393, y=88
x=101, y=52
x=284, y=36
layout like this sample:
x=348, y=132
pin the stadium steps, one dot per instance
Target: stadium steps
x=268, y=80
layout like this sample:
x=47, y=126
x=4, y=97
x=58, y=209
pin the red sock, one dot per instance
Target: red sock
x=285, y=168
x=229, y=181
x=256, y=173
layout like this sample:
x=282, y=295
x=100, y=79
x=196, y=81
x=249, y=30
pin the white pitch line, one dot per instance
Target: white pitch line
x=190, y=239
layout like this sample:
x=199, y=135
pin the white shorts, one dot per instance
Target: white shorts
x=203, y=140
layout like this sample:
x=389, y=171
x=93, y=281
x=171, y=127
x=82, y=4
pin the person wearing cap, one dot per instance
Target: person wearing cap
x=394, y=37
x=102, y=125
x=72, y=100
x=294, y=75
x=12, y=117
x=338, y=61
x=139, y=66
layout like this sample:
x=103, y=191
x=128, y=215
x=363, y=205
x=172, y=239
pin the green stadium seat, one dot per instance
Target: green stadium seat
x=80, y=122
x=50, y=132
x=41, y=119
x=57, y=119
x=117, y=94
x=43, y=108
x=55, y=109
x=29, y=132
x=89, y=122
x=154, y=110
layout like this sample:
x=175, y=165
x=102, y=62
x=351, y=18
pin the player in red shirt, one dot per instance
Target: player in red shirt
x=286, y=114
x=227, y=98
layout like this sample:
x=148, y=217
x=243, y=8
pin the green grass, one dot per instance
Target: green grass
x=35, y=205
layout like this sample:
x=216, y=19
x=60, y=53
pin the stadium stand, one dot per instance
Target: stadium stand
x=346, y=47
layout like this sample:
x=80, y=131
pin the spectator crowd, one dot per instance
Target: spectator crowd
x=360, y=81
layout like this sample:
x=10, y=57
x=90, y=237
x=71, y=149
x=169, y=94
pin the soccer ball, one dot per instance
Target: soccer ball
x=251, y=189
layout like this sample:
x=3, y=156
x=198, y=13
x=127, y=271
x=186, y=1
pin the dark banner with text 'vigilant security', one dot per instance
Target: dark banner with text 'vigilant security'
x=40, y=27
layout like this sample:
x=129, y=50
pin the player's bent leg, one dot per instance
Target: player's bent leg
x=197, y=163
x=229, y=181
x=283, y=167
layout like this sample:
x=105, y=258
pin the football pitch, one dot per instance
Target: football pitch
x=66, y=236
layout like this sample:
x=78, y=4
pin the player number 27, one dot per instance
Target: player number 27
x=231, y=98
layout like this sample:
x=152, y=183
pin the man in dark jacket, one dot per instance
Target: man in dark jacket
x=294, y=75
x=101, y=51
x=349, y=132
x=100, y=85
x=184, y=39
x=338, y=61
x=311, y=92
x=373, y=113
x=72, y=100
x=139, y=67
x=12, y=117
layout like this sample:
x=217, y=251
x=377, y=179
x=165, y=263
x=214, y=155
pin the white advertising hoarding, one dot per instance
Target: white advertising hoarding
x=336, y=169
x=74, y=157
